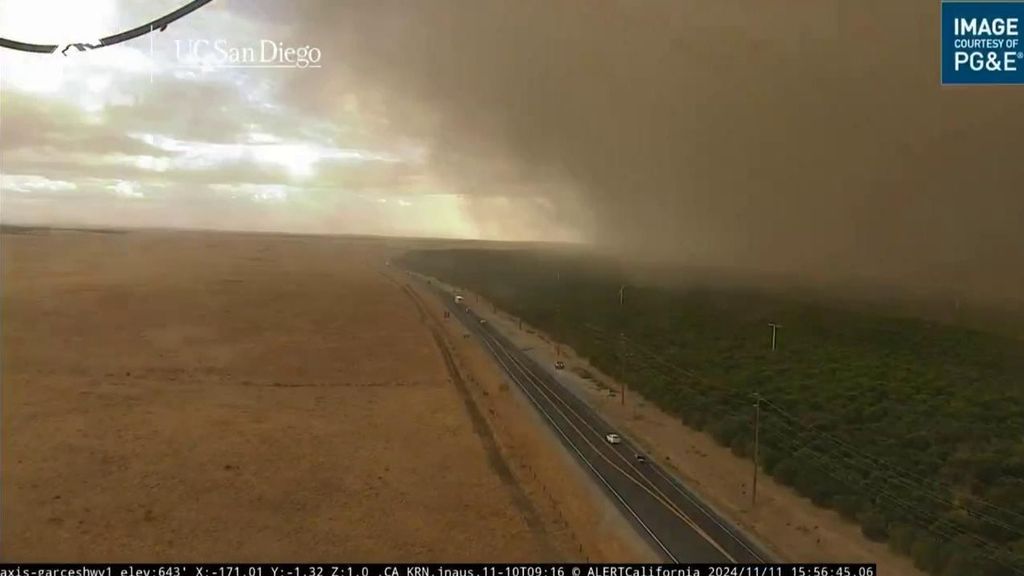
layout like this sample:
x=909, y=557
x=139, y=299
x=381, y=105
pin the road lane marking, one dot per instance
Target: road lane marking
x=537, y=404
x=709, y=513
x=649, y=487
x=655, y=493
x=546, y=390
x=582, y=457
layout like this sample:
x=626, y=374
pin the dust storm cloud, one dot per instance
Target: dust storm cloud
x=797, y=136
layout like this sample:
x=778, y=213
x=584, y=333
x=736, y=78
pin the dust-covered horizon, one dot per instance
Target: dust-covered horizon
x=793, y=136
x=804, y=139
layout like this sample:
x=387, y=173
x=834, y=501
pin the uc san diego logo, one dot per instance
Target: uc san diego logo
x=981, y=42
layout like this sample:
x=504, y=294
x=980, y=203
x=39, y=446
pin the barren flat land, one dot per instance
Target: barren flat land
x=201, y=396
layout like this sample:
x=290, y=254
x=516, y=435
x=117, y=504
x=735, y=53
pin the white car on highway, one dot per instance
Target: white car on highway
x=613, y=438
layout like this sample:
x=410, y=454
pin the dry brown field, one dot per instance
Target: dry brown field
x=197, y=396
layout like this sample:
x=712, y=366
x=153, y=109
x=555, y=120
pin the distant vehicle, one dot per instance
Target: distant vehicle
x=641, y=458
x=613, y=438
x=559, y=365
x=467, y=308
x=483, y=321
x=458, y=299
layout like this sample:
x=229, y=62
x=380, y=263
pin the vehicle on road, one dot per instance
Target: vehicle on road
x=613, y=438
x=641, y=458
x=458, y=299
x=483, y=321
x=559, y=365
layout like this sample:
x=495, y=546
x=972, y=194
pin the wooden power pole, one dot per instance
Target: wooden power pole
x=757, y=444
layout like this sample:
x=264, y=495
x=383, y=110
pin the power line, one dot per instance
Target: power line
x=158, y=24
x=933, y=523
x=912, y=515
x=871, y=471
x=900, y=473
x=909, y=478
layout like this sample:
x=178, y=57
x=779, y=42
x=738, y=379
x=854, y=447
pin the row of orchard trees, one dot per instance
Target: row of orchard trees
x=912, y=429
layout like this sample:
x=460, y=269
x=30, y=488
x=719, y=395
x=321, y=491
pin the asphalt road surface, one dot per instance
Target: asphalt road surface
x=672, y=518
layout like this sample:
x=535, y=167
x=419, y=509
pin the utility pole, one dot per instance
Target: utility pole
x=757, y=445
x=774, y=327
x=558, y=313
x=622, y=348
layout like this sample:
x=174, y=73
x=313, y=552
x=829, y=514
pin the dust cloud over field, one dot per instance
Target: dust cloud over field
x=198, y=397
x=806, y=137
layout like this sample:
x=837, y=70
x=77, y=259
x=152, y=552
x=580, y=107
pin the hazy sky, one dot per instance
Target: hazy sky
x=807, y=136
x=168, y=131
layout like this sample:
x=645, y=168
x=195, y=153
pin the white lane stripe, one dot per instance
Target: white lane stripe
x=652, y=489
x=583, y=458
x=710, y=514
x=546, y=390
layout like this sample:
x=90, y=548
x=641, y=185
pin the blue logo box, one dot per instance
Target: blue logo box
x=982, y=42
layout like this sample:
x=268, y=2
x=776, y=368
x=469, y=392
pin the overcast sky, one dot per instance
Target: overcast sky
x=804, y=136
x=163, y=131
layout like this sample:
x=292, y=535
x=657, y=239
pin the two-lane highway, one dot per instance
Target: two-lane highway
x=665, y=512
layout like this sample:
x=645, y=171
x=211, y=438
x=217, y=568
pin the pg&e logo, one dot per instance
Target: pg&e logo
x=981, y=42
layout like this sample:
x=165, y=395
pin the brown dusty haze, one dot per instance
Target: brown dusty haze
x=797, y=136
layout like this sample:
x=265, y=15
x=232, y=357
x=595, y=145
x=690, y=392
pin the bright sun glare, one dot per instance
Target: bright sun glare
x=123, y=75
x=57, y=21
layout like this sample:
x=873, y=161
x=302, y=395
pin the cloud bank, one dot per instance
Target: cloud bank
x=804, y=136
x=809, y=137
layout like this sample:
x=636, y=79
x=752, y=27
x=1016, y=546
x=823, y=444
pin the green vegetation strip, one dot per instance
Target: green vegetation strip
x=912, y=428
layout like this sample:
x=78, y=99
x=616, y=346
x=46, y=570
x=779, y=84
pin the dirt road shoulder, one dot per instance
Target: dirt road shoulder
x=787, y=524
x=574, y=509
